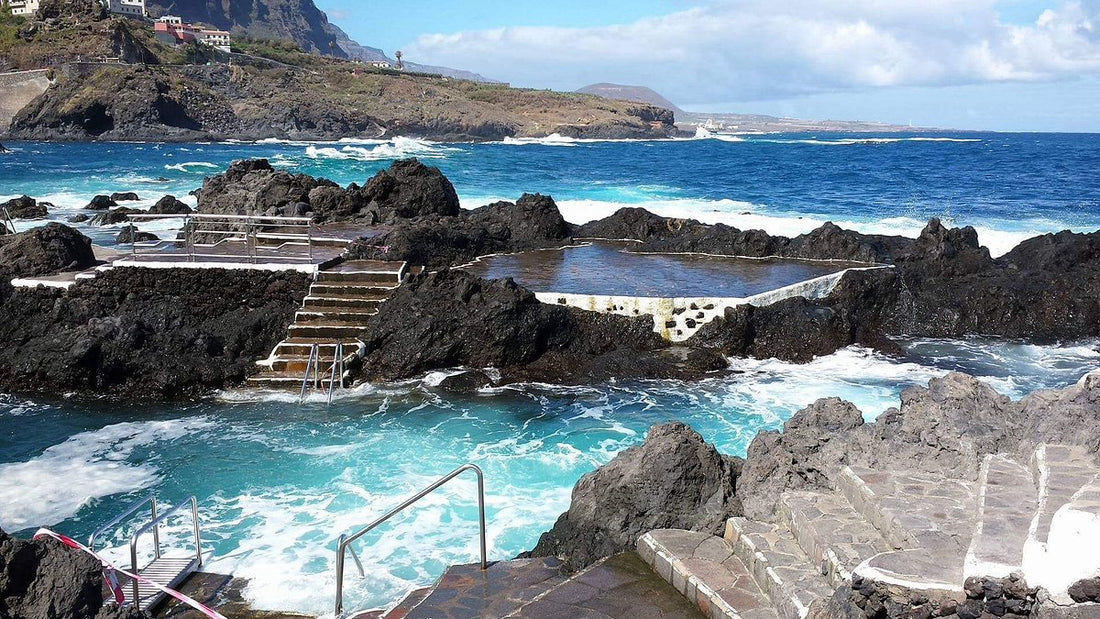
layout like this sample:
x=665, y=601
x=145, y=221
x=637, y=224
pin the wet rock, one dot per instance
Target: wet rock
x=3, y=150
x=79, y=218
x=45, y=250
x=169, y=205
x=130, y=234
x=101, y=203
x=451, y=319
x=45, y=578
x=532, y=222
x=115, y=216
x=465, y=382
x=410, y=189
x=254, y=187
x=24, y=207
x=673, y=480
x=127, y=196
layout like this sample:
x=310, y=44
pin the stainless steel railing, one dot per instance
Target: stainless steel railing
x=154, y=525
x=221, y=236
x=345, y=541
x=315, y=377
x=8, y=223
x=151, y=500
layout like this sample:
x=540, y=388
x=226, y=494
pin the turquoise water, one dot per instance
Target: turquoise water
x=278, y=483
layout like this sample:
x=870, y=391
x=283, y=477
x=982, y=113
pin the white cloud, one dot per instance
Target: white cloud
x=753, y=49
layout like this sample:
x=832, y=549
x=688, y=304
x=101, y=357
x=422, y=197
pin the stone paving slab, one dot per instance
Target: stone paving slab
x=467, y=592
x=622, y=586
x=915, y=510
x=704, y=569
x=1060, y=471
x=832, y=534
x=779, y=566
x=1007, y=504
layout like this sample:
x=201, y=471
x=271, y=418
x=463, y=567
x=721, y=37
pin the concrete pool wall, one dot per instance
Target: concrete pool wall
x=677, y=319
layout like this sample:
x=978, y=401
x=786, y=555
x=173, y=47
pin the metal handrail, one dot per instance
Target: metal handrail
x=314, y=352
x=235, y=228
x=7, y=220
x=152, y=500
x=345, y=541
x=155, y=525
x=337, y=363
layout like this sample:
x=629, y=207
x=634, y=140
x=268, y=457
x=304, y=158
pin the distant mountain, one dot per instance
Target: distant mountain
x=296, y=20
x=631, y=93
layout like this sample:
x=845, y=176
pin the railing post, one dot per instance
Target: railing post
x=340, y=549
x=156, y=529
x=309, y=239
x=198, y=538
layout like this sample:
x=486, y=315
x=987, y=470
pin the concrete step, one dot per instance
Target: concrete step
x=703, y=568
x=1060, y=471
x=833, y=535
x=619, y=586
x=301, y=347
x=915, y=510
x=1007, y=503
x=386, y=279
x=468, y=591
x=332, y=331
x=322, y=303
x=289, y=380
x=335, y=314
x=350, y=291
x=782, y=570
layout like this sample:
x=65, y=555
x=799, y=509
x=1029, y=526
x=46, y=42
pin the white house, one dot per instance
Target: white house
x=132, y=8
x=22, y=7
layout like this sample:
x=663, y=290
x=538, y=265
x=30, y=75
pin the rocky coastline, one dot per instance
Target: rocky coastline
x=941, y=284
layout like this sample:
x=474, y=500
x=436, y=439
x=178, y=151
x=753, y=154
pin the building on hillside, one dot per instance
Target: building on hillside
x=172, y=30
x=22, y=7
x=130, y=8
x=380, y=64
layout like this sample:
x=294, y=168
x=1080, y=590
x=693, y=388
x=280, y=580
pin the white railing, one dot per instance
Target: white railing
x=233, y=237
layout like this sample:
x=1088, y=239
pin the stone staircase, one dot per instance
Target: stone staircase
x=620, y=586
x=903, y=544
x=335, y=311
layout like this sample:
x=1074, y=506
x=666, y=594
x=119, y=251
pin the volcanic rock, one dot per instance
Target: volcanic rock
x=79, y=218
x=467, y=382
x=451, y=318
x=3, y=150
x=45, y=250
x=673, y=480
x=24, y=207
x=101, y=203
x=130, y=234
x=169, y=205
x=127, y=196
x=115, y=216
x=532, y=222
x=252, y=187
x=45, y=578
x=114, y=334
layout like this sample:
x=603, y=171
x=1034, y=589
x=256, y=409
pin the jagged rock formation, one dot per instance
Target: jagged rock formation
x=115, y=216
x=101, y=203
x=169, y=205
x=24, y=207
x=451, y=318
x=46, y=579
x=112, y=334
x=673, y=480
x=532, y=222
x=252, y=187
x=45, y=250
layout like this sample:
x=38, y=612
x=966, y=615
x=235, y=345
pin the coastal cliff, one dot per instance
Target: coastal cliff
x=275, y=90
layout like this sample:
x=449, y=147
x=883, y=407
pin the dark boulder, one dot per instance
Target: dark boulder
x=468, y=382
x=79, y=218
x=410, y=189
x=126, y=196
x=101, y=203
x=130, y=234
x=674, y=479
x=170, y=205
x=452, y=319
x=532, y=222
x=24, y=207
x=45, y=251
x=254, y=187
x=115, y=216
x=44, y=578
x=3, y=150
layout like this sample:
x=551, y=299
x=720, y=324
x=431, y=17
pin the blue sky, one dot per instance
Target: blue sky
x=982, y=64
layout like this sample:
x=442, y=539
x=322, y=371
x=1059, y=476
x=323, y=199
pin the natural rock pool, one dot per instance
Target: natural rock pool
x=610, y=268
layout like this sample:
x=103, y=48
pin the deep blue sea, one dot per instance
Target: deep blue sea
x=277, y=483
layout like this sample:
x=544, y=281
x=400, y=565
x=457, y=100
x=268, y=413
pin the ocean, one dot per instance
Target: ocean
x=278, y=482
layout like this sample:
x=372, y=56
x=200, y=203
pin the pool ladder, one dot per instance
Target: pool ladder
x=315, y=377
x=166, y=571
x=345, y=542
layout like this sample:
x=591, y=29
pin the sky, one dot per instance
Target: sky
x=1006, y=65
